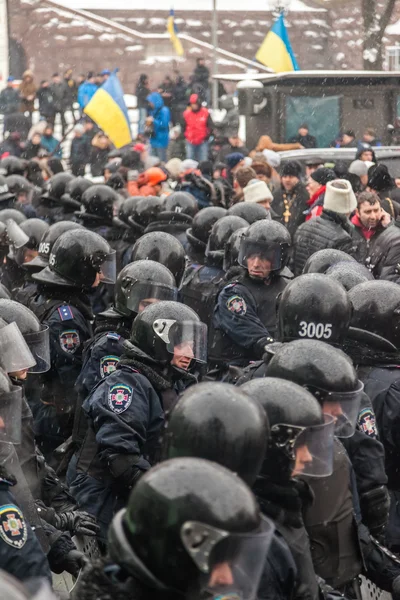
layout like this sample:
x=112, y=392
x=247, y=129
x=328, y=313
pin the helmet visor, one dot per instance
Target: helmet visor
x=186, y=340
x=14, y=351
x=229, y=564
x=141, y=294
x=313, y=449
x=11, y=416
x=108, y=268
x=39, y=345
x=272, y=254
x=343, y=407
x=16, y=236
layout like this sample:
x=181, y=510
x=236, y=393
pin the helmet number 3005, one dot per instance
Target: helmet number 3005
x=315, y=330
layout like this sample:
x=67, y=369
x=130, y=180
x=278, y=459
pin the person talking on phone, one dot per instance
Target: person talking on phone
x=369, y=221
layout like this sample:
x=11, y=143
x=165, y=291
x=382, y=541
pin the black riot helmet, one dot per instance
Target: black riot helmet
x=145, y=212
x=12, y=213
x=127, y=208
x=163, y=248
x=181, y=203
x=47, y=242
x=219, y=236
x=349, y=274
x=77, y=260
x=205, y=516
x=376, y=310
x=202, y=224
x=267, y=239
x=36, y=334
x=56, y=186
x=327, y=373
x=250, y=212
x=97, y=203
x=34, y=229
x=140, y=283
x=74, y=191
x=314, y=306
x=5, y=193
x=165, y=326
x=11, y=165
x=232, y=248
x=18, y=184
x=296, y=422
x=321, y=261
x=218, y=422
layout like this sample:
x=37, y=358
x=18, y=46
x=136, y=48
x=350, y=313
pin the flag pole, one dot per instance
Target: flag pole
x=214, y=41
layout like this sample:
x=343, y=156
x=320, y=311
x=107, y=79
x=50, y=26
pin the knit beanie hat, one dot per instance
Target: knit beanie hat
x=234, y=159
x=358, y=167
x=379, y=178
x=291, y=169
x=173, y=167
x=339, y=197
x=257, y=191
x=323, y=175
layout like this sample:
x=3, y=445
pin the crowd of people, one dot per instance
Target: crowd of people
x=199, y=363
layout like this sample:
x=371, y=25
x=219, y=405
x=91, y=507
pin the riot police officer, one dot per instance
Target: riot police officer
x=77, y=263
x=322, y=260
x=125, y=411
x=24, y=193
x=250, y=212
x=205, y=550
x=245, y=312
x=50, y=207
x=349, y=274
x=128, y=235
x=72, y=197
x=144, y=213
x=163, y=248
x=7, y=198
x=197, y=235
x=176, y=216
x=202, y=283
x=300, y=442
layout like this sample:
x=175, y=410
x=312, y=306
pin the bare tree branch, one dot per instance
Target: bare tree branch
x=387, y=14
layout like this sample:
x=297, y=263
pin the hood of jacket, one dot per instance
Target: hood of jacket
x=156, y=100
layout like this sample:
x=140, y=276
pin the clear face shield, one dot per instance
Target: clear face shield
x=140, y=294
x=344, y=407
x=186, y=341
x=15, y=354
x=17, y=240
x=39, y=344
x=228, y=564
x=107, y=268
x=311, y=448
x=270, y=257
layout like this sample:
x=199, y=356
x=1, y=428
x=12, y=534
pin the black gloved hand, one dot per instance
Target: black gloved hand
x=375, y=510
x=73, y=562
x=77, y=522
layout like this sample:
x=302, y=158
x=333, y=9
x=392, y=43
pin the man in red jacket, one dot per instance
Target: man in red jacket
x=197, y=128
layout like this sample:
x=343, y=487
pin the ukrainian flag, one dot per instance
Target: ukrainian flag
x=107, y=109
x=173, y=33
x=275, y=51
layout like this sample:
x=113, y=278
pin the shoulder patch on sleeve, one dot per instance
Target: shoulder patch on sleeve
x=65, y=313
x=70, y=341
x=120, y=397
x=108, y=364
x=236, y=305
x=230, y=285
x=366, y=422
x=111, y=335
x=13, y=529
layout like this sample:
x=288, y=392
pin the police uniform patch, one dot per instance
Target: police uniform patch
x=120, y=398
x=70, y=341
x=65, y=313
x=366, y=422
x=108, y=364
x=13, y=529
x=237, y=305
x=111, y=335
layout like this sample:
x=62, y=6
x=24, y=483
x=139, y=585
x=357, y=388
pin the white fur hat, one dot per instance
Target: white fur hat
x=257, y=191
x=339, y=197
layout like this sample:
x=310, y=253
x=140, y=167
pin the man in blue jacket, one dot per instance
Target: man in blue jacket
x=158, y=120
x=86, y=90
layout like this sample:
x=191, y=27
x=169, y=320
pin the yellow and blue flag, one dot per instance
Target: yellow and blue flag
x=108, y=110
x=173, y=33
x=276, y=52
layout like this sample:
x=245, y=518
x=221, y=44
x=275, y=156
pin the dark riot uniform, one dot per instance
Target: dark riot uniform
x=70, y=327
x=244, y=320
x=20, y=551
x=125, y=416
x=199, y=289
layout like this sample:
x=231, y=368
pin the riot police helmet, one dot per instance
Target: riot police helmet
x=12, y=213
x=145, y=212
x=322, y=260
x=264, y=248
x=219, y=422
x=34, y=229
x=181, y=203
x=163, y=248
x=232, y=247
x=56, y=186
x=74, y=191
x=12, y=165
x=97, y=203
x=349, y=274
x=327, y=373
x=250, y=212
x=202, y=224
x=314, y=306
x=219, y=236
x=47, y=242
